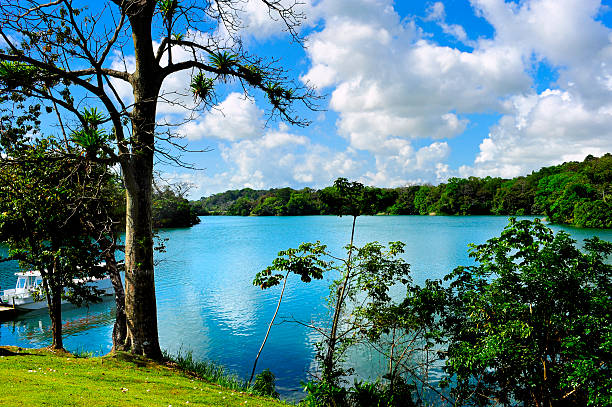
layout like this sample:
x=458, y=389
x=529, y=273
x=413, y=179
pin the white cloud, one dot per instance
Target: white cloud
x=545, y=129
x=281, y=158
x=399, y=164
x=563, y=31
x=126, y=64
x=390, y=85
x=556, y=125
x=254, y=19
x=236, y=118
x=436, y=12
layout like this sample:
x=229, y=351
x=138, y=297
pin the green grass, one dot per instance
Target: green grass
x=209, y=371
x=38, y=377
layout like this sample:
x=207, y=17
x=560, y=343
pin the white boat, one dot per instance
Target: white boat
x=28, y=282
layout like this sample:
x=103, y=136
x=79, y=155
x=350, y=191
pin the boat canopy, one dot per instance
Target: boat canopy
x=28, y=280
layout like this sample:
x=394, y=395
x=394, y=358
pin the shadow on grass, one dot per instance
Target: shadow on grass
x=137, y=360
x=6, y=351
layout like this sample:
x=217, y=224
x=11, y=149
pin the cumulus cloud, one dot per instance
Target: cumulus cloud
x=556, y=125
x=126, y=63
x=401, y=164
x=255, y=20
x=283, y=158
x=392, y=85
x=544, y=129
x=278, y=158
x=437, y=13
x=236, y=118
x=563, y=31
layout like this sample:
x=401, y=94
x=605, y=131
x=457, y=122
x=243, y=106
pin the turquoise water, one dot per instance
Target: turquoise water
x=208, y=305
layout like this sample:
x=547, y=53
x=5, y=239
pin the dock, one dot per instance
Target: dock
x=7, y=313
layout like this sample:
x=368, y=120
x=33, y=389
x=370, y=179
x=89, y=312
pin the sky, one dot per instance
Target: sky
x=418, y=92
x=413, y=92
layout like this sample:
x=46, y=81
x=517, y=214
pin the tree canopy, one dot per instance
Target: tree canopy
x=572, y=193
x=530, y=322
x=50, y=216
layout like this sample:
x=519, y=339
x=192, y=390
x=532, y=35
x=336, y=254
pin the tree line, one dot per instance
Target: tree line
x=171, y=209
x=575, y=193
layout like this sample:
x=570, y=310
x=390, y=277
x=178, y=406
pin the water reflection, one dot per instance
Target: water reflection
x=80, y=328
x=207, y=304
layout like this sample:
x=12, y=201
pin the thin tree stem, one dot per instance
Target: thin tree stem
x=61, y=123
x=269, y=328
x=328, y=363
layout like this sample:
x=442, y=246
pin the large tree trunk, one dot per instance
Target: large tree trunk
x=140, y=305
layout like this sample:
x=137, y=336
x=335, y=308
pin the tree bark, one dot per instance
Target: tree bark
x=54, y=302
x=140, y=304
x=55, y=312
x=120, y=328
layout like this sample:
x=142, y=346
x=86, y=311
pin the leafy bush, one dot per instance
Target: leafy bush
x=322, y=394
x=530, y=323
x=265, y=384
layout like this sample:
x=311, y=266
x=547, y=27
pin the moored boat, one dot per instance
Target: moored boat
x=23, y=296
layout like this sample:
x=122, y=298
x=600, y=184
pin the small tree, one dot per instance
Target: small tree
x=41, y=220
x=304, y=261
x=530, y=323
x=374, y=270
x=346, y=198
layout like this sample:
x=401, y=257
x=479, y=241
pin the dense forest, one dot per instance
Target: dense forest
x=576, y=193
x=172, y=210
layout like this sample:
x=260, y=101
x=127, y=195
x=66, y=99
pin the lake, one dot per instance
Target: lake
x=208, y=305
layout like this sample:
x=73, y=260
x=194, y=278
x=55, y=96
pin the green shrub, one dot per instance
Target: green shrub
x=265, y=384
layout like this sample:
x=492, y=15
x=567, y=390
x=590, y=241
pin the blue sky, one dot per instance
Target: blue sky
x=415, y=92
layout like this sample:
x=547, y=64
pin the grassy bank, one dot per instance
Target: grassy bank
x=35, y=377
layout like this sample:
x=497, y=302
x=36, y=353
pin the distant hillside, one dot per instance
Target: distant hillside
x=219, y=204
x=576, y=193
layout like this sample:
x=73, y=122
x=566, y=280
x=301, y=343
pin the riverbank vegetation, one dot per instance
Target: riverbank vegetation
x=527, y=324
x=39, y=377
x=574, y=193
x=171, y=209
